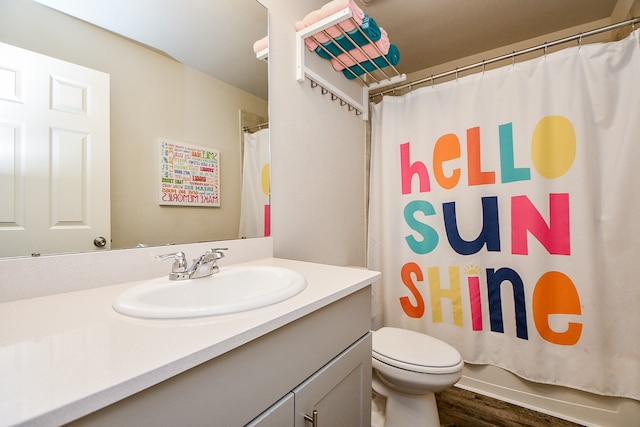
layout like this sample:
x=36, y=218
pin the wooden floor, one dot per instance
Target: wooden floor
x=461, y=408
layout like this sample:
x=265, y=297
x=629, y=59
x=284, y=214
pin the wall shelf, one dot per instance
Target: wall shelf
x=370, y=80
x=263, y=54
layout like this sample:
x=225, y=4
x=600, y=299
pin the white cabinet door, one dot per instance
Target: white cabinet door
x=54, y=155
x=340, y=392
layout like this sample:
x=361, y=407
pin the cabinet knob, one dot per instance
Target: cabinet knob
x=313, y=418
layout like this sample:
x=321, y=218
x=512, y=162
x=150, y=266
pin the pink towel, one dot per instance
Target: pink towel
x=329, y=9
x=261, y=44
x=383, y=44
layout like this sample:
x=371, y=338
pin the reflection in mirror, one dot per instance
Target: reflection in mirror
x=255, y=212
x=161, y=86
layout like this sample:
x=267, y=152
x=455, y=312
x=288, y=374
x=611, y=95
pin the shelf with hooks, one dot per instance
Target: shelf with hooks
x=358, y=64
x=263, y=55
x=261, y=48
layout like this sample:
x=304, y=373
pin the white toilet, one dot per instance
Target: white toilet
x=408, y=368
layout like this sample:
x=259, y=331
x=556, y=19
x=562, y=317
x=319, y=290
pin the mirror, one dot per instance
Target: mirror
x=183, y=71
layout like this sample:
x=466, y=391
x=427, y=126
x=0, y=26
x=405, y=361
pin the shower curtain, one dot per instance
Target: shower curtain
x=255, y=208
x=505, y=216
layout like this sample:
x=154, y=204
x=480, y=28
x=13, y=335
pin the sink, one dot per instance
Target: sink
x=232, y=290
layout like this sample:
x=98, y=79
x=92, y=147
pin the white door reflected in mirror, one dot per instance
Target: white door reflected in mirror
x=54, y=145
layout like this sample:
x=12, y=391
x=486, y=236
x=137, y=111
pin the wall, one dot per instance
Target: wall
x=318, y=157
x=151, y=96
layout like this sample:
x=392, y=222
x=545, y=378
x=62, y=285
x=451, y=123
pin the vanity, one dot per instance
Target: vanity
x=70, y=358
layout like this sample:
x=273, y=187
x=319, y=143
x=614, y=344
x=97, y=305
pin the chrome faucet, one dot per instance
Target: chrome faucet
x=203, y=266
x=179, y=266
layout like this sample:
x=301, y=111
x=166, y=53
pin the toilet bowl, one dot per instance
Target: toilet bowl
x=408, y=368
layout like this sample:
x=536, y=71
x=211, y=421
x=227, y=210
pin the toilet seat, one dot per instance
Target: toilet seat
x=413, y=351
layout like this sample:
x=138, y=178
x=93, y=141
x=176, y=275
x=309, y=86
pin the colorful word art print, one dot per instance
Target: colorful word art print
x=189, y=175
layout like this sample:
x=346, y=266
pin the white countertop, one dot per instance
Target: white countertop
x=66, y=355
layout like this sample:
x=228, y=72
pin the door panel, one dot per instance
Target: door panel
x=340, y=392
x=54, y=155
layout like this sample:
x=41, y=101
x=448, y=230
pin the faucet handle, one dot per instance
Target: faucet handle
x=207, y=263
x=211, y=255
x=218, y=252
x=179, y=261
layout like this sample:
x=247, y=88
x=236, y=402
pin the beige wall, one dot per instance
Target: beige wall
x=152, y=96
x=318, y=181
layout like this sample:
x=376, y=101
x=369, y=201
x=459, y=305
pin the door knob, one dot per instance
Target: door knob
x=99, y=241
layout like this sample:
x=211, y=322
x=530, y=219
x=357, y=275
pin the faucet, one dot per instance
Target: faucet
x=203, y=266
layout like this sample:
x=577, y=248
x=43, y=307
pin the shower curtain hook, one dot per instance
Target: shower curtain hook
x=456, y=74
x=431, y=81
x=483, y=67
x=546, y=46
x=580, y=42
x=513, y=58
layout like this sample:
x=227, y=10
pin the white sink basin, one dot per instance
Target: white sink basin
x=231, y=290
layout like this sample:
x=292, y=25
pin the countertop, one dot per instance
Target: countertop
x=66, y=355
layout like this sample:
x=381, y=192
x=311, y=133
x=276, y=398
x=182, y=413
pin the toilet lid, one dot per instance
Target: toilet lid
x=414, y=351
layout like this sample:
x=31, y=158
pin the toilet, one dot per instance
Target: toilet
x=408, y=368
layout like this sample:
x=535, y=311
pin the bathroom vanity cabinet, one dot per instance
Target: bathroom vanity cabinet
x=321, y=362
x=68, y=358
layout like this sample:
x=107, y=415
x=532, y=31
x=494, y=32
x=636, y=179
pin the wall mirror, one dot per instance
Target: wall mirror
x=183, y=71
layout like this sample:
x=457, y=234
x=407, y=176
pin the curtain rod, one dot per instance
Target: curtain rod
x=260, y=126
x=483, y=63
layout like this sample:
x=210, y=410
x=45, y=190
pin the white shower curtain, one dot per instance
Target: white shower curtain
x=255, y=209
x=505, y=216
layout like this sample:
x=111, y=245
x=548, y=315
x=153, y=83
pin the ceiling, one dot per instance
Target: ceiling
x=427, y=33
x=435, y=32
x=212, y=36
